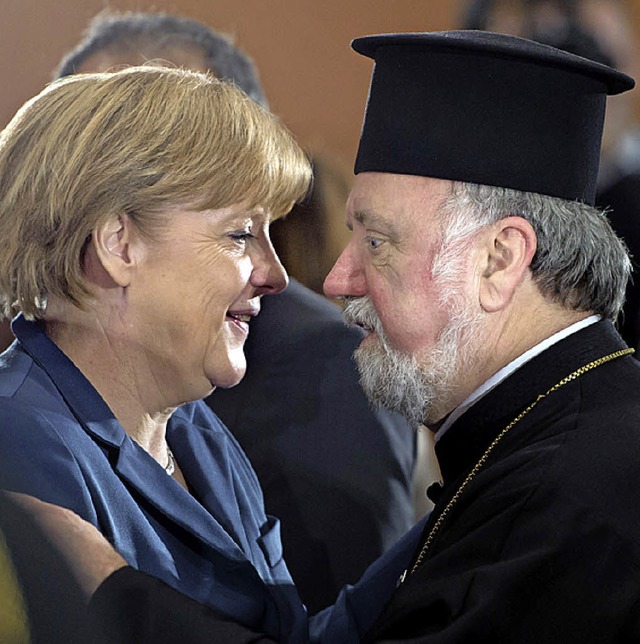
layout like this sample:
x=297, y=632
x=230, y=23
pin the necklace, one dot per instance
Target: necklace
x=483, y=459
x=170, y=467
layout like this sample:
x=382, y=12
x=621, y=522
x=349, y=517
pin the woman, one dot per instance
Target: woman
x=134, y=237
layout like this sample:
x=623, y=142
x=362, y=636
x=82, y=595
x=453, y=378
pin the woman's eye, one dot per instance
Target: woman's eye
x=241, y=235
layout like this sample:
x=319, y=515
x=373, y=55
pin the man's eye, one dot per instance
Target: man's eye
x=373, y=243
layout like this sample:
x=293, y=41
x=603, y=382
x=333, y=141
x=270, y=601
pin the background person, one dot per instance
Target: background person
x=299, y=413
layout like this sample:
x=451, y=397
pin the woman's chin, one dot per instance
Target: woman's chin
x=230, y=378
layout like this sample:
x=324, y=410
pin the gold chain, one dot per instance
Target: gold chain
x=483, y=459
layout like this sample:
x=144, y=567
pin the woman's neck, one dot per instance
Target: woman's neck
x=116, y=371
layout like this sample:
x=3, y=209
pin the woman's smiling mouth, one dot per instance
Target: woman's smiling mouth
x=241, y=319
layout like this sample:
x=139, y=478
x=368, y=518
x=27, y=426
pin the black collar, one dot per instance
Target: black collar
x=470, y=435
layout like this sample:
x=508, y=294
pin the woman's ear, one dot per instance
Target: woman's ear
x=113, y=242
x=510, y=248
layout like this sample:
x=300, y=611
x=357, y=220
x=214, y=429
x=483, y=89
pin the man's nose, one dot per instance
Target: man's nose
x=346, y=278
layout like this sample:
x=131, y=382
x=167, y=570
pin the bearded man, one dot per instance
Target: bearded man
x=488, y=285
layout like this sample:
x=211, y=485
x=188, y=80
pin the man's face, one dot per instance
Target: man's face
x=396, y=233
x=415, y=319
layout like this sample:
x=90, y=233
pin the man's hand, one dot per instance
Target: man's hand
x=89, y=556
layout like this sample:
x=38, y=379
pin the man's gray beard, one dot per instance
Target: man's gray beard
x=395, y=380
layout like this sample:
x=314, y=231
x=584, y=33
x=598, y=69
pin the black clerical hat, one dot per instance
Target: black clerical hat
x=485, y=108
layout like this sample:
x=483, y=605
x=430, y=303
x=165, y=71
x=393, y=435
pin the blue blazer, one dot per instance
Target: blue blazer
x=61, y=443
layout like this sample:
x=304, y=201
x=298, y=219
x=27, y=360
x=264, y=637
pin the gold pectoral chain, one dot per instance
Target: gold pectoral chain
x=483, y=459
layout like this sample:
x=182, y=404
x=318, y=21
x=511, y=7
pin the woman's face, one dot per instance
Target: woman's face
x=195, y=293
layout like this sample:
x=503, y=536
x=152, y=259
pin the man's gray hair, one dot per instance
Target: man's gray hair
x=579, y=262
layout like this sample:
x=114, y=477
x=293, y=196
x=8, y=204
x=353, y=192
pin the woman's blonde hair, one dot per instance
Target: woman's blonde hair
x=137, y=141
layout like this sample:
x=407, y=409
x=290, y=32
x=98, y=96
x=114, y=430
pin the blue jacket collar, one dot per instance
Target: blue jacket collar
x=129, y=460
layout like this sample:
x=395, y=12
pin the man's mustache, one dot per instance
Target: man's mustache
x=361, y=312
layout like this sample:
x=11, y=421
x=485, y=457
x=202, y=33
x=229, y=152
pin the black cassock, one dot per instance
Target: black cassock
x=543, y=544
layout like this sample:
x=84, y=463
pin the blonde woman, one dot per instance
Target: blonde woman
x=134, y=238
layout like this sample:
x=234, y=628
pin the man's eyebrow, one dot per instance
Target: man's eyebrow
x=368, y=218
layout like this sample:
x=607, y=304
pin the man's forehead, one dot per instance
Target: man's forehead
x=387, y=195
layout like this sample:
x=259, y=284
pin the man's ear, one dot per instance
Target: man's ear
x=510, y=248
x=113, y=242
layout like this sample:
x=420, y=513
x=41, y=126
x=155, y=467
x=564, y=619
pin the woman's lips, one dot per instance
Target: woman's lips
x=241, y=320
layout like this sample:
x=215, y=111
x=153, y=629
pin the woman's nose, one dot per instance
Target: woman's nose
x=270, y=277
